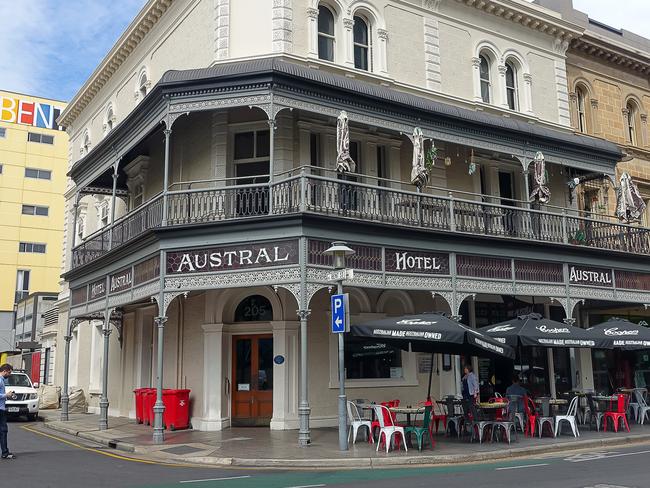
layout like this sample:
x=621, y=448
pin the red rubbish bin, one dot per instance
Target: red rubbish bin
x=148, y=401
x=177, y=409
x=139, y=404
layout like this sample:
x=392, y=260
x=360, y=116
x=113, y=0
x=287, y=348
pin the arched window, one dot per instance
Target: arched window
x=484, y=75
x=255, y=308
x=85, y=144
x=143, y=84
x=110, y=118
x=581, y=98
x=511, y=87
x=361, y=43
x=325, y=33
x=631, y=122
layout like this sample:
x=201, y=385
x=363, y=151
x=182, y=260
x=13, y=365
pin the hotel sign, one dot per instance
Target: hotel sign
x=581, y=275
x=97, y=290
x=26, y=112
x=120, y=281
x=237, y=257
x=418, y=262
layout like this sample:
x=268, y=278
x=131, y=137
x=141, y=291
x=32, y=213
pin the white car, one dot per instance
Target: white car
x=25, y=399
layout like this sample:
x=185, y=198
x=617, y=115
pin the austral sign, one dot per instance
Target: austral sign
x=121, y=281
x=580, y=275
x=417, y=262
x=235, y=257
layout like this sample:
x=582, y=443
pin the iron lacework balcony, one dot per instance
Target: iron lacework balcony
x=347, y=197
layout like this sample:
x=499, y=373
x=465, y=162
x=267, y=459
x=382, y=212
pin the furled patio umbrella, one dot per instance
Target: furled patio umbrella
x=540, y=192
x=535, y=330
x=622, y=334
x=432, y=332
x=629, y=203
x=419, y=173
x=344, y=162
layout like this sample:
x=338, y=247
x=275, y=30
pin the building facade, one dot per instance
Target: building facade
x=33, y=162
x=219, y=169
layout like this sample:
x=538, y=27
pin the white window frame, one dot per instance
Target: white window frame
x=367, y=47
x=332, y=37
x=40, y=173
x=514, y=89
x=488, y=81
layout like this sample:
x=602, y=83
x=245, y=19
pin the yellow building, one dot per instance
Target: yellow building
x=33, y=165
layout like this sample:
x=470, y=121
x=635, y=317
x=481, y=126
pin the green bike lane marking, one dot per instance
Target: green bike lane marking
x=289, y=479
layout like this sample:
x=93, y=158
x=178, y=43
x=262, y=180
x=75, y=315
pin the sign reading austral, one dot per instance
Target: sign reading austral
x=234, y=257
x=120, y=281
x=419, y=262
x=581, y=275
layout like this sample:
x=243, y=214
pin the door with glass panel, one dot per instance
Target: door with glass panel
x=252, y=388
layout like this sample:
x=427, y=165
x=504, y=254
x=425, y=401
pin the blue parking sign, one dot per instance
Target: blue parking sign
x=339, y=313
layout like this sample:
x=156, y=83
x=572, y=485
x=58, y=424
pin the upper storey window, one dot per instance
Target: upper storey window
x=484, y=72
x=361, y=43
x=511, y=87
x=581, y=109
x=143, y=85
x=325, y=33
x=632, y=113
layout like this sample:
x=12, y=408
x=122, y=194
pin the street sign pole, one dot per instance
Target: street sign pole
x=343, y=423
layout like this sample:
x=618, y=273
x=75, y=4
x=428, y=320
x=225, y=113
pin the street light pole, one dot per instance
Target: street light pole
x=343, y=399
x=339, y=251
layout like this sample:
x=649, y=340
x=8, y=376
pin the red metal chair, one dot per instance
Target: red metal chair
x=531, y=416
x=622, y=404
x=438, y=415
x=375, y=425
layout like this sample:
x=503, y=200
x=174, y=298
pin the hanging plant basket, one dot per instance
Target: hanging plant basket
x=430, y=158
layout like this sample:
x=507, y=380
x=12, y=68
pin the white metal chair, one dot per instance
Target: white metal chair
x=642, y=407
x=570, y=417
x=357, y=422
x=387, y=427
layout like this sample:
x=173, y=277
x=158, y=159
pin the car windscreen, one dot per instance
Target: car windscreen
x=18, y=380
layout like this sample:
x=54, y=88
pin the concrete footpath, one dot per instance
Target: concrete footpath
x=261, y=447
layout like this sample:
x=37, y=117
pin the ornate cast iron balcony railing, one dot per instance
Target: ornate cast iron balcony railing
x=349, y=199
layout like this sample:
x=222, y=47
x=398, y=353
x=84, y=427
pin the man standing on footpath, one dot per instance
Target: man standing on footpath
x=5, y=371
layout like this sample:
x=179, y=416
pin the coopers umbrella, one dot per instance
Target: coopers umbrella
x=432, y=332
x=535, y=330
x=621, y=333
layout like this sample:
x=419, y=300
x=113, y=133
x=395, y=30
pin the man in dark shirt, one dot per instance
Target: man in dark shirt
x=516, y=390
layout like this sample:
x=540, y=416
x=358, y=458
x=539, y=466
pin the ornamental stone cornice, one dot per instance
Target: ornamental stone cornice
x=136, y=32
x=615, y=54
x=531, y=16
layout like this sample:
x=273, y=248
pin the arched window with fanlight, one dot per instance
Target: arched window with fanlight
x=581, y=98
x=512, y=95
x=361, y=36
x=143, y=85
x=632, y=113
x=484, y=76
x=325, y=33
x=110, y=119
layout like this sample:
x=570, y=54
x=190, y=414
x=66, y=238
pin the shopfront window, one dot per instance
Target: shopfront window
x=368, y=359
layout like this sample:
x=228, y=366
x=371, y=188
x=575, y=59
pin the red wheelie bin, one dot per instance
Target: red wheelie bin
x=139, y=404
x=177, y=409
x=148, y=401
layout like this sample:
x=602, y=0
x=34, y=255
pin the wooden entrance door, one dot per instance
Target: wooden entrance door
x=252, y=397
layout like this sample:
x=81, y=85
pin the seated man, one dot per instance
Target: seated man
x=515, y=389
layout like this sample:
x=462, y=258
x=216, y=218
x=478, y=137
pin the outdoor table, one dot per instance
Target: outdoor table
x=547, y=403
x=491, y=408
x=408, y=411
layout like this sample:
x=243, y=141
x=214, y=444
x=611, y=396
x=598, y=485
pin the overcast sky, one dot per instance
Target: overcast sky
x=50, y=47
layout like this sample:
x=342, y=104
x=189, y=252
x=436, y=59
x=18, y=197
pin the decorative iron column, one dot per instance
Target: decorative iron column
x=103, y=400
x=75, y=217
x=304, y=434
x=168, y=133
x=65, y=397
x=110, y=234
x=159, y=407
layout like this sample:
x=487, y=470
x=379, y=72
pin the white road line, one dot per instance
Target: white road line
x=612, y=456
x=305, y=486
x=216, y=479
x=521, y=467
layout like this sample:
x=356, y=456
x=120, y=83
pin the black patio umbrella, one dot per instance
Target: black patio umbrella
x=617, y=333
x=432, y=332
x=535, y=330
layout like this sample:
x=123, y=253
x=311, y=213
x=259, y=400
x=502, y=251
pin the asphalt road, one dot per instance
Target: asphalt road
x=45, y=460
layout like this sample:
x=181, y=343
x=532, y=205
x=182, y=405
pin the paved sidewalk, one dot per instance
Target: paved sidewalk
x=261, y=447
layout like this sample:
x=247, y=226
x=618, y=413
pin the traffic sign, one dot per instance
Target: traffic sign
x=340, y=317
